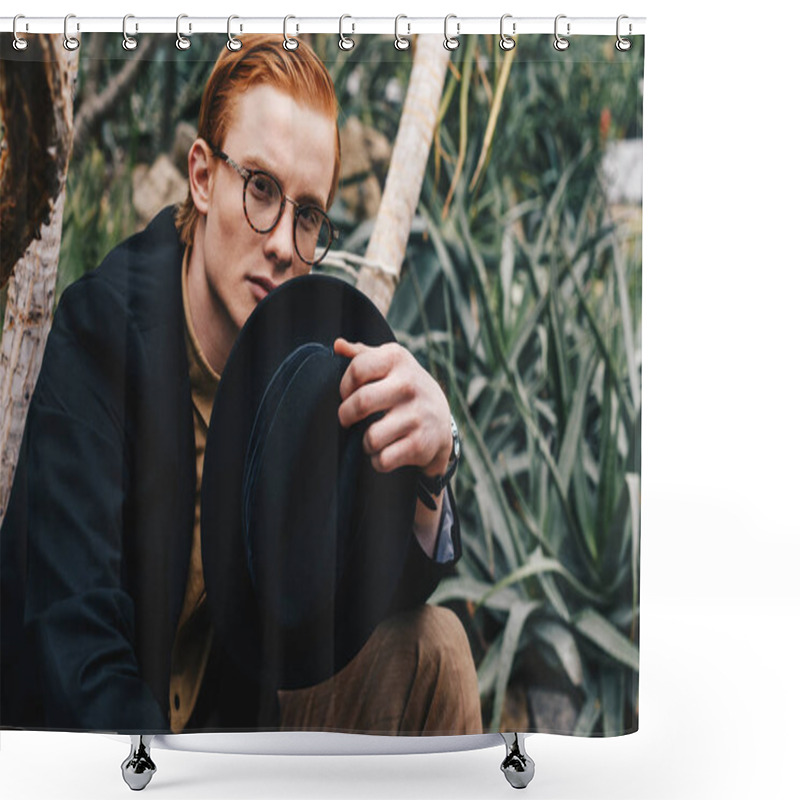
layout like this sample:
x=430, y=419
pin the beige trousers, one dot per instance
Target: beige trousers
x=415, y=675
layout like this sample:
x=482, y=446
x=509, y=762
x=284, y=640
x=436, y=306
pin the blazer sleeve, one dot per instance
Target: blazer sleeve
x=81, y=617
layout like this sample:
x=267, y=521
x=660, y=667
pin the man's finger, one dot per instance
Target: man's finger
x=370, y=399
x=348, y=349
x=369, y=365
x=386, y=430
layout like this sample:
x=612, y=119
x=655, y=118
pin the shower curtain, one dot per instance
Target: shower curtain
x=156, y=235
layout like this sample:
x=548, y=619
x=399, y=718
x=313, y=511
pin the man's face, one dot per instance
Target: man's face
x=270, y=131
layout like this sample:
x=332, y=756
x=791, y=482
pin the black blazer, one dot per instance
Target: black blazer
x=97, y=536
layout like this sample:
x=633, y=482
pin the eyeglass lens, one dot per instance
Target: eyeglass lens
x=312, y=229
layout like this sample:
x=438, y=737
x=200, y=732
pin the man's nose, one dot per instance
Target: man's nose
x=279, y=242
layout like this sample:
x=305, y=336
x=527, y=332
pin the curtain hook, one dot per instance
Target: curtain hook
x=400, y=42
x=506, y=42
x=560, y=43
x=345, y=42
x=233, y=44
x=182, y=43
x=623, y=44
x=451, y=42
x=288, y=42
x=19, y=43
x=71, y=42
x=128, y=42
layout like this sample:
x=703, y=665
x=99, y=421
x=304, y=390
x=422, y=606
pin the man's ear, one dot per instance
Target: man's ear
x=200, y=174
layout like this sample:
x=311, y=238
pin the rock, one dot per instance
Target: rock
x=514, y=716
x=552, y=710
x=365, y=158
x=185, y=134
x=157, y=186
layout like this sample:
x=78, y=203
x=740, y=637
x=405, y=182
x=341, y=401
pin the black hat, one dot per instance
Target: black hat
x=303, y=542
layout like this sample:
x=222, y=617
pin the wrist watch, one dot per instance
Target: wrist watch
x=429, y=487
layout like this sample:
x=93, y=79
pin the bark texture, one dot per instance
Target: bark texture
x=406, y=171
x=36, y=94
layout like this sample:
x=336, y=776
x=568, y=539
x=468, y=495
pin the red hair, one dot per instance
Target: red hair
x=262, y=59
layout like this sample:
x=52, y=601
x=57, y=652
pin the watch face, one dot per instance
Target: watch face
x=456, y=440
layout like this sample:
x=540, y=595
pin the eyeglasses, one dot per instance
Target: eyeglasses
x=263, y=201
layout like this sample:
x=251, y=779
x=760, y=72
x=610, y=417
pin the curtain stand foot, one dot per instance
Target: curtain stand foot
x=138, y=768
x=517, y=766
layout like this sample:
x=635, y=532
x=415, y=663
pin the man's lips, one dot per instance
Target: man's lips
x=261, y=286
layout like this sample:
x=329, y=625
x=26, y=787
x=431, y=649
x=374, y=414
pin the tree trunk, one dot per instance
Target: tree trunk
x=36, y=95
x=406, y=171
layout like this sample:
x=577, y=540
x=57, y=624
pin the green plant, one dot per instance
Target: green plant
x=523, y=295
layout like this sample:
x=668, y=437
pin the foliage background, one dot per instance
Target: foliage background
x=521, y=293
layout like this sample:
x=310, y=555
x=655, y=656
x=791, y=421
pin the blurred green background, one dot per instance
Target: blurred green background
x=521, y=293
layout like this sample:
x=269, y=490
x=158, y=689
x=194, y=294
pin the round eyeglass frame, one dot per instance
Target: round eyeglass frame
x=247, y=175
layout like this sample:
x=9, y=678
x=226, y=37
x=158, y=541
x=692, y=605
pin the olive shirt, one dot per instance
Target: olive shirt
x=193, y=638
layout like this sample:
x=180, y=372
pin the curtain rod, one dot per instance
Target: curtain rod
x=298, y=24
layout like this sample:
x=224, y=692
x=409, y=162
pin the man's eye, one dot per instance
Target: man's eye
x=263, y=188
x=310, y=218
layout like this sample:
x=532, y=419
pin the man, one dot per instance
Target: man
x=104, y=520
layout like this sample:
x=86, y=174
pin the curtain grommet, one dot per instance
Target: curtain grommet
x=506, y=42
x=128, y=42
x=19, y=43
x=181, y=42
x=401, y=42
x=288, y=42
x=233, y=44
x=71, y=43
x=451, y=42
x=622, y=44
x=345, y=42
x=559, y=42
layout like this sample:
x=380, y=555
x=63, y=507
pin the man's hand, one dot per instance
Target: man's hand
x=415, y=427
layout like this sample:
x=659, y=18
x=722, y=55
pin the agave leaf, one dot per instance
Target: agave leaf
x=506, y=277
x=612, y=689
x=574, y=427
x=627, y=325
x=465, y=587
x=462, y=304
x=588, y=716
x=466, y=79
x=554, y=596
x=487, y=670
x=602, y=633
x=564, y=646
x=538, y=564
x=633, y=482
x=491, y=500
x=626, y=405
x=519, y=613
x=494, y=113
